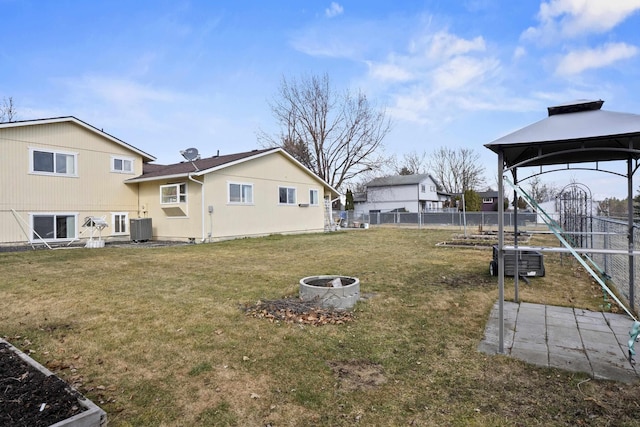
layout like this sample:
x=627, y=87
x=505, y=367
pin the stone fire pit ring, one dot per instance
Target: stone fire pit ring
x=340, y=294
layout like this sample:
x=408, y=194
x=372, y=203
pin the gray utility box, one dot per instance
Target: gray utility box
x=530, y=263
x=140, y=229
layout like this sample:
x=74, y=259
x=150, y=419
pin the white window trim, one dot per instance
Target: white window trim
x=33, y=239
x=487, y=200
x=113, y=223
x=241, y=184
x=289, y=202
x=47, y=150
x=317, y=203
x=123, y=158
x=177, y=202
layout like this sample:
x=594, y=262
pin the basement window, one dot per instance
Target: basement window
x=51, y=227
x=119, y=222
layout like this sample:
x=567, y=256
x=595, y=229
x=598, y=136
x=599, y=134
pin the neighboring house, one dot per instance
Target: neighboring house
x=488, y=200
x=402, y=193
x=56, y=172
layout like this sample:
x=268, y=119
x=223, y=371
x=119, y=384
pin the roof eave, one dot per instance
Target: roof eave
x=146, y=156
x=158, y=178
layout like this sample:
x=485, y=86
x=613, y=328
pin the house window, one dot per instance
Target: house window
x=313, y=197
x=240, y=193
x=54, y=226
x=287, y=195
x=53, y=162
x=487, y=200
x=423, y=188
x=432, y=188
x=173, y=193
x=119, y=222
x=121, y=164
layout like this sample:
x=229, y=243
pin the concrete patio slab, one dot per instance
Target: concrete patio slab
x=564, y=338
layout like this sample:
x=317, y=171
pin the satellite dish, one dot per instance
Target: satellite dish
x=190, y=154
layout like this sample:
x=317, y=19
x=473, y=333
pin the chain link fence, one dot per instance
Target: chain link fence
x=613, y=234
x=452, y=217
x=599, y=233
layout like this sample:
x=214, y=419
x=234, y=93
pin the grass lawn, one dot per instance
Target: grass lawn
x=158, y=337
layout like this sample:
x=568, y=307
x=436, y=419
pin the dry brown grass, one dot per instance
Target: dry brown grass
x=158, y=337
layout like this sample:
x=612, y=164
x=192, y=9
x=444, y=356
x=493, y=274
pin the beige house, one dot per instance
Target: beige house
x=254, y=193
x=56, y=173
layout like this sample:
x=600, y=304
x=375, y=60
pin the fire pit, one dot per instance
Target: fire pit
x=339, y=292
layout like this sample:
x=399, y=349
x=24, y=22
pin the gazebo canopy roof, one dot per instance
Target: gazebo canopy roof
x=575, y=132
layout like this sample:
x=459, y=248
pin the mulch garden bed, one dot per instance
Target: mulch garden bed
x=30, y=398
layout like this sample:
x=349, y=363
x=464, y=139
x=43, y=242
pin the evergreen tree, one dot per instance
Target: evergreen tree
x=472, y=201
x=348, y=204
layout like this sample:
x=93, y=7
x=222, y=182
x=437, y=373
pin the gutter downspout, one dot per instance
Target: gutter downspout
x=201, y=204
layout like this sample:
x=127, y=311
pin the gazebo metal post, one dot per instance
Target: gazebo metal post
x=631, y=239
x=516, y=254
x=500, y=252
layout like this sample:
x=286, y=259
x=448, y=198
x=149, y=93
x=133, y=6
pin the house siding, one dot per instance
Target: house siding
x=264, y=216
x=396, y=197
x=407, y=196
x=94, y=191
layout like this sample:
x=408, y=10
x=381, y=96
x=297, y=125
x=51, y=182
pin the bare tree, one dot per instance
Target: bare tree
x=336, y=135
x=540, y=191
x=457, y=170
x=412, y=163
x=8, y=111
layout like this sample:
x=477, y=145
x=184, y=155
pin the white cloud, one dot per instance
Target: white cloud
x=447, y=45
x=573, y=18
x=389, y=72
x=461, y=72
x=334, y=9
x=437, y=76
x=519, y=52
x=121, y=91
x=577, y=61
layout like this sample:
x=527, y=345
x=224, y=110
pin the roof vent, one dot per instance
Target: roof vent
x=575, y=107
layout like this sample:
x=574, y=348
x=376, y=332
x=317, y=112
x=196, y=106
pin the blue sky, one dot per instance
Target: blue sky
x=168, y=75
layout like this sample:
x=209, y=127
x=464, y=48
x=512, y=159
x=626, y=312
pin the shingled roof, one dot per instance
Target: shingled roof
x=153, y=171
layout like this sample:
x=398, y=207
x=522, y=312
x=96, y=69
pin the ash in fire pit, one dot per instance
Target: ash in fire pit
x=338, y=282
x=339, y=292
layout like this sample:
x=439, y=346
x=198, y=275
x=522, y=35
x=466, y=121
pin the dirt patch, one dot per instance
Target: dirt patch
x=30, y=398
x=355, y=375
x=466, y=280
